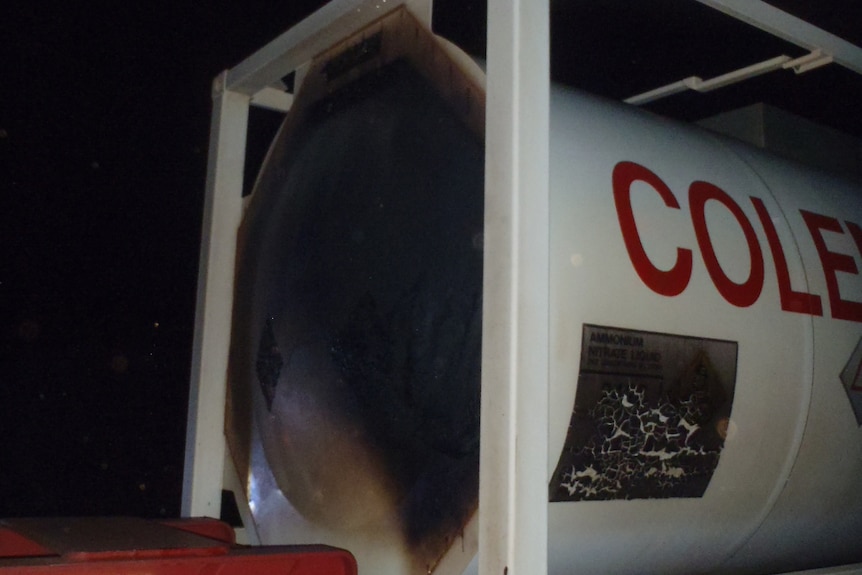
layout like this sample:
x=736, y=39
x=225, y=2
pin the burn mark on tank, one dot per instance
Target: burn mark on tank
x=269, y=363
x=357, y=54
x=396, y=364
x=367, y=247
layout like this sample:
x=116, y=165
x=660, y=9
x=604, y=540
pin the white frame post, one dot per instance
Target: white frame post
x=513, y=480
x=205, y=440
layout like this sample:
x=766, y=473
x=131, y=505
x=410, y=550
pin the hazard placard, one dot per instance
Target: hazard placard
x=851, y=377
x=651, y=414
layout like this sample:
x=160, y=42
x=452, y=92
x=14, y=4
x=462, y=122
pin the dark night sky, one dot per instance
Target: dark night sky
x=104, y=120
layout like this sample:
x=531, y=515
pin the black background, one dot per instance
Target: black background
x=104, y=112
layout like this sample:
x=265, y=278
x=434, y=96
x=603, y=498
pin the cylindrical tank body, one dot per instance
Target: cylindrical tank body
x=661, y=229
x=706, y=339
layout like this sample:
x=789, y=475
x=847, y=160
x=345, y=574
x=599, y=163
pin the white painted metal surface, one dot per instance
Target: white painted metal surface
x=793, y=432
x=205, y=446
x=815, y=59
x=699, y=85
x=512, y=477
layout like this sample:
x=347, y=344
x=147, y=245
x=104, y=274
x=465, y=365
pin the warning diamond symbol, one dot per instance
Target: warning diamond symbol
x=851, y=377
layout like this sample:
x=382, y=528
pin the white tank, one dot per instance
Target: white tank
x=706, y=334
x=695, y=253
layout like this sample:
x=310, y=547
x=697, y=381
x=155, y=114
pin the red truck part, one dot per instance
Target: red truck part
x=123, y=545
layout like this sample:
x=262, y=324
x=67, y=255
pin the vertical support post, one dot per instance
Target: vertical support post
x=205, y=440
x=513, y=495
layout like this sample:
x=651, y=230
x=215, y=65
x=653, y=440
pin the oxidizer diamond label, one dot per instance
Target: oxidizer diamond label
x=851, y=377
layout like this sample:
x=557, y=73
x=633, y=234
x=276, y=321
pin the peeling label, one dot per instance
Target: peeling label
x=650, y=417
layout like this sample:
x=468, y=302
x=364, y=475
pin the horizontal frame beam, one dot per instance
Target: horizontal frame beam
x=792, y=29
x=321, y=30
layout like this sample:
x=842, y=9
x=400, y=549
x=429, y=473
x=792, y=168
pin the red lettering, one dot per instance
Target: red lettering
x=673, y=281
x=799, y=302
x=740, y=295
x=834, y=262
